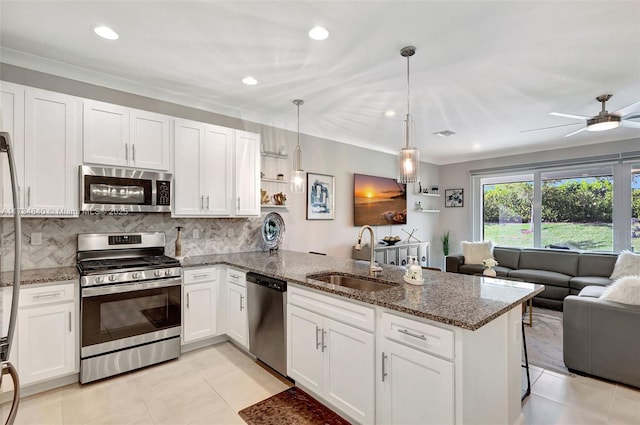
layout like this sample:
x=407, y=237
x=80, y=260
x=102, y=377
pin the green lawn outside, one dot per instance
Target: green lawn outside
x=582, y=236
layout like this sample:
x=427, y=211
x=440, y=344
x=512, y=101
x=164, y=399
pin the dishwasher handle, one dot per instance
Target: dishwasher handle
x=267, y=282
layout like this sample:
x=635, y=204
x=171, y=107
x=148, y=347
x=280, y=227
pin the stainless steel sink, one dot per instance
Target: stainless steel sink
x=351, y=281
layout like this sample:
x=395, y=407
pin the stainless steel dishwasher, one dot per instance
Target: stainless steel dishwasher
x=266, y=306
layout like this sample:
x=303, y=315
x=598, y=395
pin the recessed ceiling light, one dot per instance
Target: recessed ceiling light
x=318, y=33
x=250, y=81
x=477, y=146
x=106, y=32
x=389, y=113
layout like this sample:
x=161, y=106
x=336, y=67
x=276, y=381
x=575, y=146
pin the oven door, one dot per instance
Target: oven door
x=119, y=316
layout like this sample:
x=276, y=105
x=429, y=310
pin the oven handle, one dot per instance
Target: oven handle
x=129, y=287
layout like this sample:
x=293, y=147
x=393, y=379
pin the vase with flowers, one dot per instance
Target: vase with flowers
x=488, y=265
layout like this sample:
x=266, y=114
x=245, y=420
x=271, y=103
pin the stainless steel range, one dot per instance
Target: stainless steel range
x=130, y=306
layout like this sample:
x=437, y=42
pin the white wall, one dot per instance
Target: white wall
x=459, y=220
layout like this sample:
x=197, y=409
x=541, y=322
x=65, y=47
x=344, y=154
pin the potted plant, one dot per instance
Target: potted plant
x=445, y=243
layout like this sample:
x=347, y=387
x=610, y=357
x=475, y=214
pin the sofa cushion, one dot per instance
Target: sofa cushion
x=627, y=264
x=592, y=291
x=475, y=252
x=541, y=276
x=591, y=264
x=553, y=260
x=625, y=290
x=507, y=257
x=580, y=282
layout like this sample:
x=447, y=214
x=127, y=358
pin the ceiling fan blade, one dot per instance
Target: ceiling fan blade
x=576, y=117
x=634, y=107
x=631, y=124
x=548, y=128
x=576, y=132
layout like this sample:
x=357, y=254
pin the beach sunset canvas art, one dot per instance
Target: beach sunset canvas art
x=378, y=201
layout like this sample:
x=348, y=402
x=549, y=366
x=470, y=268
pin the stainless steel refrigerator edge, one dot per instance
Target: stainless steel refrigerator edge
x=267, y=310
x=6, y=342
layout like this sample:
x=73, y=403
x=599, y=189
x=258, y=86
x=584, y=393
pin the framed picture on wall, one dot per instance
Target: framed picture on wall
x=453, y=198
x=321, y=191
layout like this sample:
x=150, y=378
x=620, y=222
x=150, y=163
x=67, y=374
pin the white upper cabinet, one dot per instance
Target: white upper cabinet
x=216, y=171
x=52, y=152
x=120, y=136
x=45, y=131
x=247, y=173
x=12, y=121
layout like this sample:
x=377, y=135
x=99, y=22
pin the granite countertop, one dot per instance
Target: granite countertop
x=468, y=302
x=33, y=276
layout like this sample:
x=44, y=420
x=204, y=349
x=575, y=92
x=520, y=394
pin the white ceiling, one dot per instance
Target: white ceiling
x=484, y=69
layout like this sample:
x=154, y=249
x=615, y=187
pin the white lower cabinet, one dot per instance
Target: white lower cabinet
x=330, y=358
x=199, y=301
x=415, y=376
x=47, y=325
x=413, y=387
x=236, y=298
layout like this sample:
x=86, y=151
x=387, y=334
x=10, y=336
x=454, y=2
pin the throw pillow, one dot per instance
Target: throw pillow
x=627, y=264
x=625, y=290
x=476, y=252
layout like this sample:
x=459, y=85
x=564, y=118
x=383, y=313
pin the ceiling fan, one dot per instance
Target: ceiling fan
x=604, y=120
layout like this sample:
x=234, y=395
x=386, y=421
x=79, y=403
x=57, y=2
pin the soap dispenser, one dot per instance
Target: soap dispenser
x=179, y=242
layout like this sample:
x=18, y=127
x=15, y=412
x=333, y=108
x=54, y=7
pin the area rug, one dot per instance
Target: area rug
x=544, y=340
x=290, y=407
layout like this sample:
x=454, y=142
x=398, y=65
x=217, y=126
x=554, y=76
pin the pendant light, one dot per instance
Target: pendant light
x=408, y=157
x=297, y=175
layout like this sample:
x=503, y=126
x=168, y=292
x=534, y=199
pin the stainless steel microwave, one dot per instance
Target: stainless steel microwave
x=124, y=189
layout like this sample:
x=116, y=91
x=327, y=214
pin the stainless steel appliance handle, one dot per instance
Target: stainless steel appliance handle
x=406, y=332
x=384, y=373
x=129, y=287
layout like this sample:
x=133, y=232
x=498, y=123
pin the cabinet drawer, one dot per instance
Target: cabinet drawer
x=344, y=311
x=422, y=336
x=46, y=294
x=200, y=275
x=236, y=276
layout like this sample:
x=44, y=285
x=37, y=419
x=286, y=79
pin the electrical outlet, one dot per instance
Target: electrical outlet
x=36, y=238
x=196, y=234
x=230, y=232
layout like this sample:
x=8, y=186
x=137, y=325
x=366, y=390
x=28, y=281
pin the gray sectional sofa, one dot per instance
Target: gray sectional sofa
x=601, y=337
x=563, y=272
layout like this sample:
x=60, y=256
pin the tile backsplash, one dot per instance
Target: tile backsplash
x=59, y=236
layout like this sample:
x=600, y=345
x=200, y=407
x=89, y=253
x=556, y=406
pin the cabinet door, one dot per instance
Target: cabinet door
x=199, y=302
x=417, y=387
x=52, y=152
x=216, y=172
x=187, y=189
x=47, y=342
x=149, y=138
x=304, y=348
x=105, y=133
x=12, y=121
x=237, y=325
x=349, y=370
x=247, y=173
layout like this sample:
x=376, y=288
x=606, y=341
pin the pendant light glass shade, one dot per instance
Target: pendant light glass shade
x=297, y=174
x=408, y=157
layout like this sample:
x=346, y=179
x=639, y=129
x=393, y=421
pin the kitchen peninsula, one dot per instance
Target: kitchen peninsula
x=448, y=351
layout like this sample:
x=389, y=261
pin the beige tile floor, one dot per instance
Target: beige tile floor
x=211, y=385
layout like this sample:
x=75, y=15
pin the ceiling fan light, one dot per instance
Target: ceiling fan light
x=603, y=123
